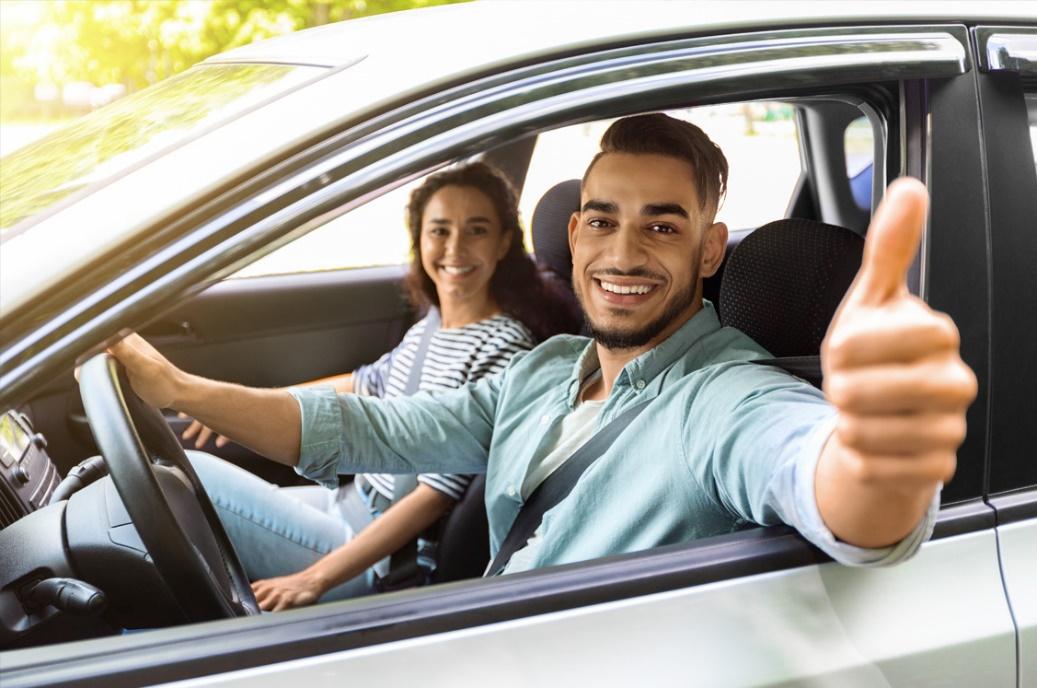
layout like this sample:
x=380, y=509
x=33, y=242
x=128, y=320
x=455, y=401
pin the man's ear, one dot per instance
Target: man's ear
x=574, y=223
x=714, y=246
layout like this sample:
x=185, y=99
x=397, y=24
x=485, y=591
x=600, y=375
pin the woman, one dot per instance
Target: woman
x=487, y=302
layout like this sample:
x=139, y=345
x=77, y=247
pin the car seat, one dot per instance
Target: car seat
x=784, y=281
x=463, y=550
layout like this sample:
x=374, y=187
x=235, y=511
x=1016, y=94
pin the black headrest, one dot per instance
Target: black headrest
x=783, y=282
x=551, y=224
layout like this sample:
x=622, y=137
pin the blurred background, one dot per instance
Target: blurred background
x=63, y=58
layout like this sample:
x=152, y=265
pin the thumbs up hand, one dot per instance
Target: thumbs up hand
x=893, y=370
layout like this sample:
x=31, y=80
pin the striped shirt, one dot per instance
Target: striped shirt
x=454, y=357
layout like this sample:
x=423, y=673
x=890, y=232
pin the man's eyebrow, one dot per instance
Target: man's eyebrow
x=653, y=209
x=600, y=206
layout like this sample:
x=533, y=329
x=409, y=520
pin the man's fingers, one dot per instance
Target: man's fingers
x=907, y=332
x=222, y=441
x=925, y=386
x=891, y=243
x=902, y=435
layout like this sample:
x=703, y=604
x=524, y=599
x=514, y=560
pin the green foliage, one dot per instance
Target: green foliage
x=139, y=42
x=102, y=144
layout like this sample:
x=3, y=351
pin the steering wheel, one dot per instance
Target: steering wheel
x=163, y=495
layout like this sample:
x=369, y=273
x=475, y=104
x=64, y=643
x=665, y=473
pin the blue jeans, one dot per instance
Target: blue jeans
x=275, y=530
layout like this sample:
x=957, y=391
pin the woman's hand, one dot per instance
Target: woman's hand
x=287, y=592
x=204, y=432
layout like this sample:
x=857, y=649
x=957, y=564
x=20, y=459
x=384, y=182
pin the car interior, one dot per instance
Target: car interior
x=781, y=282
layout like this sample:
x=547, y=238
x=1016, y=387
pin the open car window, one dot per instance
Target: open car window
x=760, y=140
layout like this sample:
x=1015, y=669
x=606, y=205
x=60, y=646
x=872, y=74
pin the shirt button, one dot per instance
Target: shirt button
x=640, y=384
x=511, y=491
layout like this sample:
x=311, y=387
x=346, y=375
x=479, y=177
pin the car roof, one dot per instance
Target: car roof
x=385, y=59
x=444, y=33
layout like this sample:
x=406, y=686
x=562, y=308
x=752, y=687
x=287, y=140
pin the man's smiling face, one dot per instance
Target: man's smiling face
x=640, y=243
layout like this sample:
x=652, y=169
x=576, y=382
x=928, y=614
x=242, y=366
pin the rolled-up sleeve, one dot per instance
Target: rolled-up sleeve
x=803, y=510
x=765, y=452
x=447, y=432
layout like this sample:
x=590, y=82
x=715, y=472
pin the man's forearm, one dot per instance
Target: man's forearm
x=864, y=512
x=267, y=421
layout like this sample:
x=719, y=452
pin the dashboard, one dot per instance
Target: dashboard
x=28, y=477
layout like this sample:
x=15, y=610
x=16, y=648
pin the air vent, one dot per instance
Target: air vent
x=11, y=508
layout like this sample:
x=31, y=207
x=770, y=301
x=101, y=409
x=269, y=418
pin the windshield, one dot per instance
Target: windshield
x=107, y=143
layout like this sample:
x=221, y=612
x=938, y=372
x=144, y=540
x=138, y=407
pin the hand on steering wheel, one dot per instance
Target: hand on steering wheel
x=162, y=494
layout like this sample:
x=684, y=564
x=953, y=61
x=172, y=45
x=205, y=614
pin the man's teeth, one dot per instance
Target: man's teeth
x=456, y=270
x=626, y=288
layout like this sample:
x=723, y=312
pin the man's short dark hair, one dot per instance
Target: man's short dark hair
x=659, y=134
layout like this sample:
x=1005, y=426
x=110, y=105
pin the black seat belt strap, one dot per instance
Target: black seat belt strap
x=403, y=570
x=558, y=485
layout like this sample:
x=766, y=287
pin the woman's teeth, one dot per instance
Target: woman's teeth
x=456, y=270
x=626, y=288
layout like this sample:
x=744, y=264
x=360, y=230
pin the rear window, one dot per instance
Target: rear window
x=760, y=140
x=107, y=143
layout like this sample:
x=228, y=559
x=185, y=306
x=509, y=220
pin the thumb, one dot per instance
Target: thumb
x=891, y=243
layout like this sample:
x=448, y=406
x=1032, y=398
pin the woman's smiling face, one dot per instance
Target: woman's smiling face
x=461, y=243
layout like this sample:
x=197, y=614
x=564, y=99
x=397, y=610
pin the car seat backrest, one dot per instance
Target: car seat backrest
x=783, y=283
x=551, y=228
x=464, y=542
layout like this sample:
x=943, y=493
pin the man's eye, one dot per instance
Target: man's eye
x=662, y=229
x=598, y=223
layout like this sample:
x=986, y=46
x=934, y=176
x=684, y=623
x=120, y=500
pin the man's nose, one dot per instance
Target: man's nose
x=627, y=248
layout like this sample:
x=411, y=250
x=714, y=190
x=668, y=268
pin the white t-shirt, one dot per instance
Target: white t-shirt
x=571, y=434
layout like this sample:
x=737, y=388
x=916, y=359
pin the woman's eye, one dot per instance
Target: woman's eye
x=477, y=230
x=437, y=231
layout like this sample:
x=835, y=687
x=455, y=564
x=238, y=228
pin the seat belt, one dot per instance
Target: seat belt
x=558, y=485
x=403, y=570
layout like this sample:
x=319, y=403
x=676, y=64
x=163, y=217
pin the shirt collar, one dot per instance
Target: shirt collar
x=652, y=362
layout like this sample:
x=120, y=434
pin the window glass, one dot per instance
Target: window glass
x=859, y=147
x=130, y=131
x=760, y=141
x=371, y=235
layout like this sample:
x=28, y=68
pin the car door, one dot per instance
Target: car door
x=755, y=607
x=1007, y=82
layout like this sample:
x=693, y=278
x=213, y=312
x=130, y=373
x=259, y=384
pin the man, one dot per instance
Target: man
x=723, y=442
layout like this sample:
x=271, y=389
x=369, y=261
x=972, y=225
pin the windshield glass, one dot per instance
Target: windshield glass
x=105, y=144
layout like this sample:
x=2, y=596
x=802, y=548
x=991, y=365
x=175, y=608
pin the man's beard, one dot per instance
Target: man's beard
x=617, y=338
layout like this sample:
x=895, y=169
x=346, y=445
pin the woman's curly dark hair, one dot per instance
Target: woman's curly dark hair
x=517, y=285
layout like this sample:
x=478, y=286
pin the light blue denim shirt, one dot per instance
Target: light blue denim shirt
x=725, y=443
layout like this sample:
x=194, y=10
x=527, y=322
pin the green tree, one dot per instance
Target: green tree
x=139, y=42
